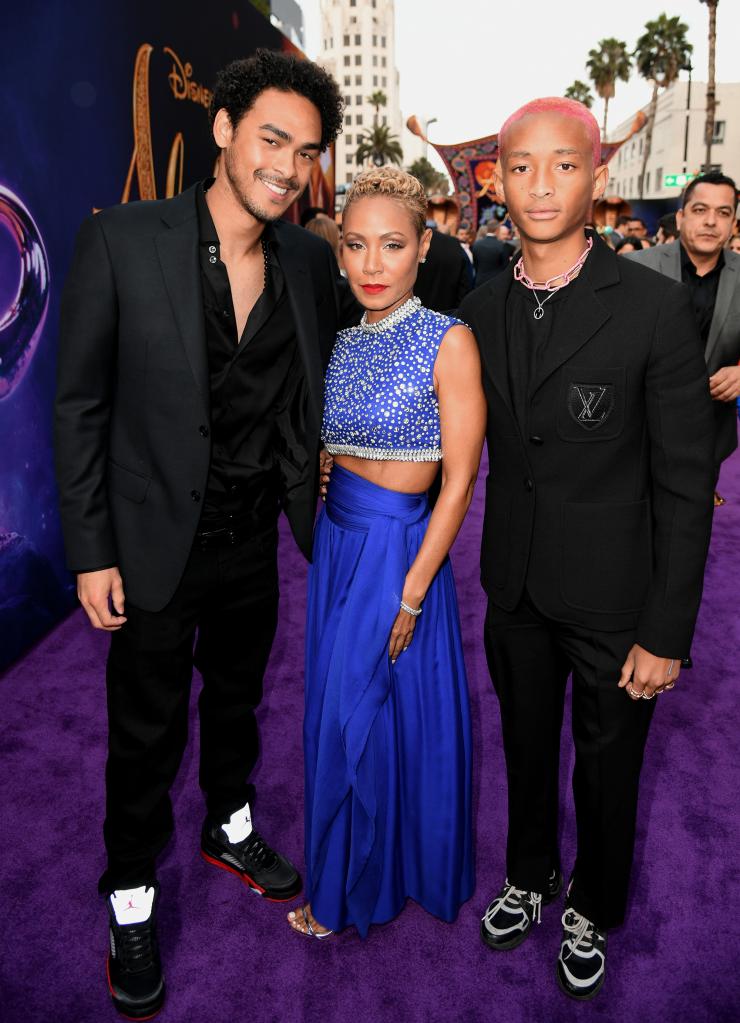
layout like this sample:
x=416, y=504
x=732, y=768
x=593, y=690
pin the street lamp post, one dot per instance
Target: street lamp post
x=431, y=120
x=688, y=67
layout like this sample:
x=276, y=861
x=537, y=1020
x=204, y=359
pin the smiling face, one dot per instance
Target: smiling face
x=381, y=249
x=547, y=178
x=706, y=220
x=267, y=159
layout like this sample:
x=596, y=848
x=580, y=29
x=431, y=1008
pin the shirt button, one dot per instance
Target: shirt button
x=195, y=495
x=212, y=259
x=211, y=248
x=528, y=484
x=534, y=439
x=203, y=431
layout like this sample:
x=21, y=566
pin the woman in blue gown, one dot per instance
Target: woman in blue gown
x=387, y=722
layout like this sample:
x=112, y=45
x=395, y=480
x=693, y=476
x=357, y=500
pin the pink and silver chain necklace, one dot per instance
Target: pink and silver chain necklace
x=549, y=285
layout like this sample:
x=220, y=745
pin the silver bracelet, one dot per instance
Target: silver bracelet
x=413, y=611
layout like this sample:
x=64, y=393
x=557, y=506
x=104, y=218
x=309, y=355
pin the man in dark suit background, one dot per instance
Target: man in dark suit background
x=712, y=273
x=195, y=333
x=597, y=523
x=491, y=255
x=444, y=275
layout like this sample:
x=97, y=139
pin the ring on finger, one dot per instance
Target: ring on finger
x=644, y=695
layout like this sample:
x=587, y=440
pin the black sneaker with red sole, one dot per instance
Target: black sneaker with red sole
x=134, y=969
x=263, y=870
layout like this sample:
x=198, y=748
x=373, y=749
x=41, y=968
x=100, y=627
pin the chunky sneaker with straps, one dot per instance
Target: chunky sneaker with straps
x=134, y=970
x=263, y=870
x=582, y=961
x=508, y=919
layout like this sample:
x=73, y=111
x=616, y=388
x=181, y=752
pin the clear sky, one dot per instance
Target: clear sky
x=472, y=66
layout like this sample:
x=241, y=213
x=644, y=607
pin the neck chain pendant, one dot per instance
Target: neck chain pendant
x=551, y=286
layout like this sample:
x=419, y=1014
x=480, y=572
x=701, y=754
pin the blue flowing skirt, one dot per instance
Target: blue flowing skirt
x=387, y=746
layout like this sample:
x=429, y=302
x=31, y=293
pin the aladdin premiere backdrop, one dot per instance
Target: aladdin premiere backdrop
x=101, y=104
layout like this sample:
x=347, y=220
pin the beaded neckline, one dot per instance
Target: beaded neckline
x=392, y=319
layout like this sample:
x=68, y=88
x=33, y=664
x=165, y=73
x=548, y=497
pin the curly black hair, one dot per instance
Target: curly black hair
x=240, y=83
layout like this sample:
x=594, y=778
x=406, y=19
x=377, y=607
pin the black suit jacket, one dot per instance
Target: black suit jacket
x=132, y=408
x=602, y=507
x=723, y=343
x=444, y=279
x=490, y=258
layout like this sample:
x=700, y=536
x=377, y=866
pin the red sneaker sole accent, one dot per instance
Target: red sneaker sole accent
x=245, y=879
x=134, y=1019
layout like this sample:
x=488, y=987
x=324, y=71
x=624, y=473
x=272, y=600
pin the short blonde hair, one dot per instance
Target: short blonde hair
x=395, y=184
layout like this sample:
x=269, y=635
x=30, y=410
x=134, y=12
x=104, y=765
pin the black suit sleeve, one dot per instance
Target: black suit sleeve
x=464, y=282
x=85, y=383
x=679, y=417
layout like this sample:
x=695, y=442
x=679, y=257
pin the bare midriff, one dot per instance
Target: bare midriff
x=406, y=477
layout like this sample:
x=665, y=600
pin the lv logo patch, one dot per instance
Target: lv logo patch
x=590, y=405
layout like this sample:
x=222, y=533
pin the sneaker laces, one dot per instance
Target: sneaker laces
x=581, y=930
x=511, y=898
x=258, y=851
x=135, y=945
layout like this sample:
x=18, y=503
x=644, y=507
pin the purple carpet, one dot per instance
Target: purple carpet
x=231, y=957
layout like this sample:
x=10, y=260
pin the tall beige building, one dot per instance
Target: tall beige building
x=358, y=49
x=678, y=141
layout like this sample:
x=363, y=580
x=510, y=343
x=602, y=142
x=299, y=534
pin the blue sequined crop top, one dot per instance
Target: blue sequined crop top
x=380, y=400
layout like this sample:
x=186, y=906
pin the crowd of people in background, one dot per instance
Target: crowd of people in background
x=467, y=259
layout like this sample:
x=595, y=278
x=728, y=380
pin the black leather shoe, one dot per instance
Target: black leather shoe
x=134, y=969
x=262, y=869
x=509, y=918
x=581, y=966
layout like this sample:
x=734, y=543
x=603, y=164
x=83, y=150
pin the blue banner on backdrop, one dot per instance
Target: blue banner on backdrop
x=101, y=104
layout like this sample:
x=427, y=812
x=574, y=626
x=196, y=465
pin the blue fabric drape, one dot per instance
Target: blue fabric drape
x=388, y=747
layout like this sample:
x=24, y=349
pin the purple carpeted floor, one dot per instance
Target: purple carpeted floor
x=231, y=957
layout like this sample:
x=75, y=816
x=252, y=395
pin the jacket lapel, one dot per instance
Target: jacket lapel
x=299, y=285
x=670, y=260
x=177, y=248
x=728, y=282
x=492, y=335
x=582, y=321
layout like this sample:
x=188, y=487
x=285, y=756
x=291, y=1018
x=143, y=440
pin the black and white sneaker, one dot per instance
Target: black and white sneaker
x=508, y=919
x=263, y=870
x=134, y=969
x=582, y=961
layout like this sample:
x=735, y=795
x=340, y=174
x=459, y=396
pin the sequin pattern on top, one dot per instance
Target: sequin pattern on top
x=380, y=400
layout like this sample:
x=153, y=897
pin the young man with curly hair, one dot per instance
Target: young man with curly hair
x=194, y=336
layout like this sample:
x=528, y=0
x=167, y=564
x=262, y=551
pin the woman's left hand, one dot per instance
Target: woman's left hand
x=401, y=634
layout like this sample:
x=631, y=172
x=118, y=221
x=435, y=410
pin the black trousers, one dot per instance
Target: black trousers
x=229, y=596
x=530, y=658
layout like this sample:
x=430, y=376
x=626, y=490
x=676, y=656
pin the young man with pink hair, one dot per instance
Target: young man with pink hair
x=598, y=515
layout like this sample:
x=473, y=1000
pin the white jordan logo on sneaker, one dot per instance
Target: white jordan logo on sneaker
x=132, y=905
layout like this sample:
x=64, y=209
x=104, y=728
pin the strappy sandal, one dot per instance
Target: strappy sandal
x=310, y=932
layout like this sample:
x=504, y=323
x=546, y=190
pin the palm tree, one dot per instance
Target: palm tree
x=611, y=61
x=380, y=146
x=711, y=92
x=377, y=100
x=580, y=92
x=661, y=51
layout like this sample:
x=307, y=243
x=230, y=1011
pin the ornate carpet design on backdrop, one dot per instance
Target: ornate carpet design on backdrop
x=100, y=105
x=471, y=166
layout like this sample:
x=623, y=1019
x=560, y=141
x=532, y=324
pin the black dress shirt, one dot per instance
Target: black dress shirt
x=527, y=339
x=703, y=291
x=249, y=377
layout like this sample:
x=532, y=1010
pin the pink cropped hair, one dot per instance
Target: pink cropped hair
x=556, y=105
